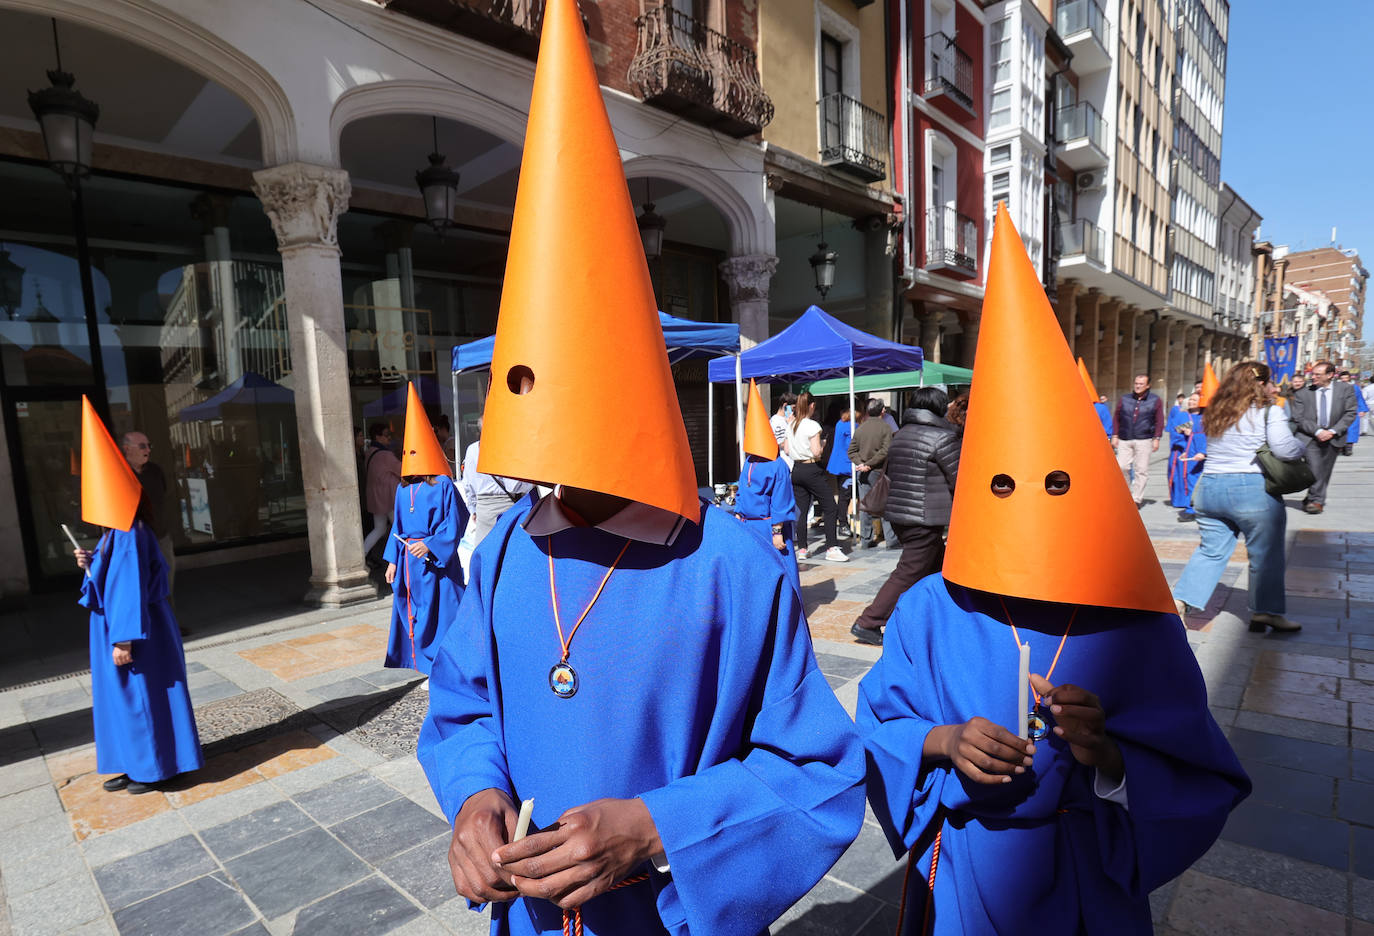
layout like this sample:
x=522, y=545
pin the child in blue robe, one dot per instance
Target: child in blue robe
x=426, y=588
x=768, y=507
x=1187, y=441
x=1104, y=415
x=1059, y=848
x=145, y=730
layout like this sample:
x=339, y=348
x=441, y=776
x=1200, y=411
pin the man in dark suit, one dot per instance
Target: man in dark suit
x=1320, y=413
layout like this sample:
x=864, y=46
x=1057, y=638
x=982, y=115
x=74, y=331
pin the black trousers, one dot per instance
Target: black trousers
x=810, y=480
x=1321, y=458
x=923, y=550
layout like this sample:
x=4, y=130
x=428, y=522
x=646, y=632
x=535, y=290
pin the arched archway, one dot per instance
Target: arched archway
x=741, y=217
x=429, y=98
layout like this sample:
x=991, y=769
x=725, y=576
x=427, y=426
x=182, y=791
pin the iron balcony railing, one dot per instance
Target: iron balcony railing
x=853, y=137
x=686, y=67
x=951, y=239
x=1081, y=121
x=513, y=25
x=949, y=69
x=1082, y=238
x=1074, y=16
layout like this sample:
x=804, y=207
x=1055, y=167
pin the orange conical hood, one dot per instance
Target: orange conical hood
x=109, y=487
x=1209, y=385
x=1087, y=381
x=1085, y=546
x=758, y=432
x=421, y=454
x=578, y=318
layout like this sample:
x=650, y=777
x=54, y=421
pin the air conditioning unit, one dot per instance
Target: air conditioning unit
x=1091, y=181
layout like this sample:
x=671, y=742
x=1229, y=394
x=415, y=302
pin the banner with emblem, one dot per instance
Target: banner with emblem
x=1281, y=354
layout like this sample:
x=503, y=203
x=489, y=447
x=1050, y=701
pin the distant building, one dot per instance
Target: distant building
x=1339, y=276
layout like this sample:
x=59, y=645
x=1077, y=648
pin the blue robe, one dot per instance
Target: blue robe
x=144, y=725
x=1352, y=435
x=698, y=693
x=426, y=591
x=1104, y=413
x=1183, y=474
x=765, y=497
x=839, y=463
x=1044, y=853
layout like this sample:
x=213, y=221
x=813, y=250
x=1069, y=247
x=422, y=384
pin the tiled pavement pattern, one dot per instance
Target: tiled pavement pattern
x=312, y=815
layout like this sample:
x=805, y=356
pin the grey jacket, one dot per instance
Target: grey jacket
x=1302, y=412
x=921, y=467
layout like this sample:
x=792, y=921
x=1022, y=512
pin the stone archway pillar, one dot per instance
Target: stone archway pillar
x=747, y=278
x=304, y=202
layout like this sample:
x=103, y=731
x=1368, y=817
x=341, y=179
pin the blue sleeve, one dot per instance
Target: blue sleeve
x=748, y=836
x=1199, y=439
x=1176, y=438
x=783, y=503
x=391, y=552
x=896, y=701
x=125, y=594
x=443, y=542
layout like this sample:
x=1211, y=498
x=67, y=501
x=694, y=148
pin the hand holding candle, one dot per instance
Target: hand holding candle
x=1022, y=690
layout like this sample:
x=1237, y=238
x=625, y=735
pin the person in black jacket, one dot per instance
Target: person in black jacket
x=921, y=467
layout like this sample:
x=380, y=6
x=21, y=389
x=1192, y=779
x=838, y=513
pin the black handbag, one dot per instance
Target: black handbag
x=875, y=501
x=1282, y=477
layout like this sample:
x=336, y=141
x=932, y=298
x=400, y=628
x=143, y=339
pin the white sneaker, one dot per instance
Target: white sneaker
x=801, y=552
x=836, y=554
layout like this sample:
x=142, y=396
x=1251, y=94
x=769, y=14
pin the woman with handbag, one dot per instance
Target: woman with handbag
x=1251, y=459
x=921, y=468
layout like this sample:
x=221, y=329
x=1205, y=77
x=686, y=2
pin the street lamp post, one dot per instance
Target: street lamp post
x=438, y=186
x=823, y=263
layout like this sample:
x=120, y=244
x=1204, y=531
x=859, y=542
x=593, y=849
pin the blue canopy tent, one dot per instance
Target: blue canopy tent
x=395, y=401
x=814, y=347
x=683, y=338
x=249, y=390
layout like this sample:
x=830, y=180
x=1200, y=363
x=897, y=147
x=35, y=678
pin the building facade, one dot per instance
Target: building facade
x=1328, y=330
x=1239, y=294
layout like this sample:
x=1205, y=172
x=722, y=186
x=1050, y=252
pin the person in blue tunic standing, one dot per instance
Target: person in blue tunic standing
x=1187, y=452
x=1352, y=435
x=765, y=501
x=839, y=467
x=630, y=660
x=145, y=729
x=422, y=550
x=1037, y=728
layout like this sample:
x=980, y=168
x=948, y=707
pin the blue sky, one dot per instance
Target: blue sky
x=1297, y=137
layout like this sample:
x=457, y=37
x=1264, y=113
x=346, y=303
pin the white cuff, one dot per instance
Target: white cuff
x=660, y=862
x=1116, y=794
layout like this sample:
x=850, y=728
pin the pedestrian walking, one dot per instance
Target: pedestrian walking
x=422, y=549
x=922, y=466
x=868, y=452
x=1231, y=501
x=153, y=481
x=809, y=480
x=781, y=422
x=630, y=662
x=487, y=496
x=1187, y=452
x=382, y=474
x=1039, y=742
x=765, y=501
x=1139, y=423
x=1319, y=415
x=145, y=729
x=840, y=468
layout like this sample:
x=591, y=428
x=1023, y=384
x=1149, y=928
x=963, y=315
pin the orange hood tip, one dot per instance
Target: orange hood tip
x=1041, y=510
x=758, y=431
x=569, y=344
x=1210, y=383
x=421, y=453
x=1087, y=381
x=109, y=488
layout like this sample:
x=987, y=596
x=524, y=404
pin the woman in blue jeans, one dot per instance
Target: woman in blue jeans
x=1231, y=501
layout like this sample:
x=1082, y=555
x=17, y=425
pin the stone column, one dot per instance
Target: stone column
x=1108, y=317
x=1142, y=356
x=1192, y=367
x=1125, y=351
x=747, y=277
x=971, y=322
x=1066, y=309
x=304, y=202
x=1177, y=330
x=1205, y=345
x=1089, y=304
x=930, y=332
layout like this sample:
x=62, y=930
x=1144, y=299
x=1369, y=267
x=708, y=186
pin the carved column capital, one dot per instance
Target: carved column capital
x=748, y=276
x=304, y=202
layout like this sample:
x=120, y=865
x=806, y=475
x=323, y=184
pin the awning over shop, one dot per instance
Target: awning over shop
x=929, y=375
x=814, y=347
x=249, y=390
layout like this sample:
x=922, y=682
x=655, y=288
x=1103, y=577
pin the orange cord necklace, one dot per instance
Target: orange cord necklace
x=1037, y=727
x=562, y=677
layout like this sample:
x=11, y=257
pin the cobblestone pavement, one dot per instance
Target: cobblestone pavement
x=312, y=816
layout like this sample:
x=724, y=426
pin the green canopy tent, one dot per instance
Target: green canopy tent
x=930, y=373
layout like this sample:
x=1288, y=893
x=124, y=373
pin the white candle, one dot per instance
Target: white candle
x=522, y=824
x=1022, y=687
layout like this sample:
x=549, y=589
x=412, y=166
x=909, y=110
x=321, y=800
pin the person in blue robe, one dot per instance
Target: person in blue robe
x=1059, y=847
x=1104, y=414
x=768, y=507
x=1187, y=451
x=696, y=694
x=423, y=568
x=1352, y=435
x=145, y=729
x=841, y=468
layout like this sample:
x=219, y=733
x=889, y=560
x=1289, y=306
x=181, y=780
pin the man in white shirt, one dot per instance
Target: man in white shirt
x=1320, y=413
x=487, y=496
x=782, y=425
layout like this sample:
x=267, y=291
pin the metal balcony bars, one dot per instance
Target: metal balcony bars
x=951, y=239
x=853, y=137
x=686, y=67
x=949, y=69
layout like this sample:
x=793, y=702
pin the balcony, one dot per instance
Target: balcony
x=1081, y=134
x=512, y=25
x=1082, y=241
x=853, y=138
x=949, y=72
x=951, y=241
x=686, y=68
x=1083, y=26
